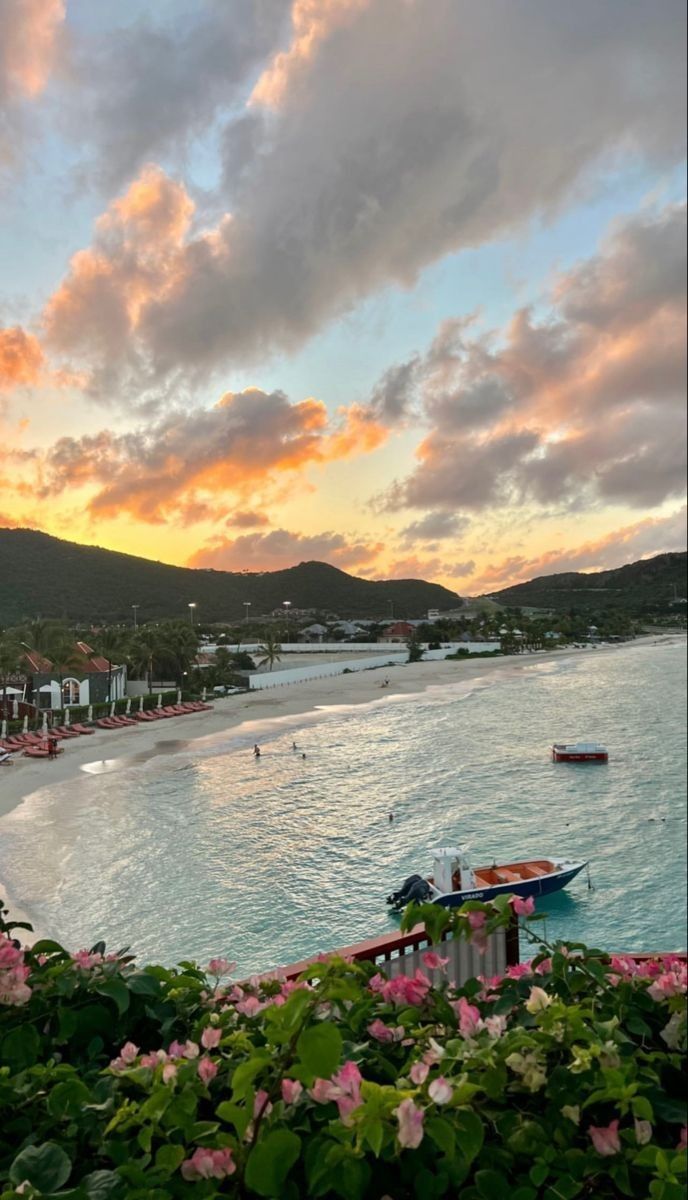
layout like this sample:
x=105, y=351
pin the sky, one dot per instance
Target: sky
x=397, y=285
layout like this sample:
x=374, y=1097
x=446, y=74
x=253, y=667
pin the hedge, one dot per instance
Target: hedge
x=561, y=1079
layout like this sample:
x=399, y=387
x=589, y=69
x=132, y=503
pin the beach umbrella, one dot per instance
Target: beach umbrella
x=159, y=699
x=179, y=696
x=26, y=725
x=90, y=712
x=67, y=717
x=112, y=709
x=15, y=709
x=3, y=729
x=128, y=708
x=203, y=694
x=45, y=723
x=140, y=703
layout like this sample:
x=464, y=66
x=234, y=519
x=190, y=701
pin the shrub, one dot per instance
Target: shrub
x=561, y=1079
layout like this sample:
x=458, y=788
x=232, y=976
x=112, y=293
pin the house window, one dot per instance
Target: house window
x=71, y=692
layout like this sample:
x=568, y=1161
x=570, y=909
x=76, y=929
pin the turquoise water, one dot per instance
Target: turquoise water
x=211, y=852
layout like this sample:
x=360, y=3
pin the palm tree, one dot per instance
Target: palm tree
x=10, y=656
x=140, y=654
x=176, y=647
x=113, y=645
x=271, y=651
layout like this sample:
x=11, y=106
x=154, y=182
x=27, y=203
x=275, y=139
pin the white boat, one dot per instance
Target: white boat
x=454, y=880
x=579, y=752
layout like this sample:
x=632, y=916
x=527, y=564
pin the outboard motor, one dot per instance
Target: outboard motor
x=398, y=898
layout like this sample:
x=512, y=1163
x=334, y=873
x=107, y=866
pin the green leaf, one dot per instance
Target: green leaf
x=372, y=1131
x=270, y=1161
x=470, y=1134
x=47, y=946
x=168, y=1158
x=232, y=1114
x=523, y=1193
x=117, y=990
x=142, y=984
x=46, y=1167
x=492, y=1185
x=101, y=1184
x=245, y=1075
x=320, y=1048
x=20, y=1048
x=564, y=1189
x=442, y=1135
x=642, y=1109
x=538, y=1173
x=67, y=1099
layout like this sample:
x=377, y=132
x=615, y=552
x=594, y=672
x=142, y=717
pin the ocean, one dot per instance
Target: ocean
x=212, y=852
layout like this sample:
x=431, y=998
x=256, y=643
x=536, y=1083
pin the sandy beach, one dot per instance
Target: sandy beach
x=113, y=750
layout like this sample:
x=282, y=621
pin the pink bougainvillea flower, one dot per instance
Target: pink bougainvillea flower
x=522, y=908
x=683, y=1140
x=440, y=1092
x=10, y=955
x=175, y=1050
x=291, y=1090
x=419, y=1073
x=322, y=1091
x=380, y=1031
x=344, y=1088
x=219, y=967
x=434, y=1053
x=125, y=1058
x=544, y=967
x=495, y=1026
x=261, y=1104
x=519, y=970
x=153, y=1060
x=470, y=1021
x=410, y=1120
x=208, y=1164
x=433, y=961
x=605, y=1139
x=169, y=1073
x=250, y=1007
x=84, y=960
x=14, y=989
x=671, y=983
x=210, y=1038
x=478, y=935
x=207, y=1069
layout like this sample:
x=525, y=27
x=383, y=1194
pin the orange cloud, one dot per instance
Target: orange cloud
x=134, y=260
x=21, y=358
x=28, y=46
x=654, y=535
x=282, y=548
x=312, y=22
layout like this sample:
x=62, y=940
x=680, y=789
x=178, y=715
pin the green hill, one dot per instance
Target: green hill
x=645, y=588
x=45, y=576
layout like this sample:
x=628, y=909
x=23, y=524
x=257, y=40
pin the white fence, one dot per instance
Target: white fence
x=276, y=678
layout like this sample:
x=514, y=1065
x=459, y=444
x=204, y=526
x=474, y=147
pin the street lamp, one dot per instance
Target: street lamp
x=287, y=605
x=247, y=605
x=135, y=607
x=192, y=606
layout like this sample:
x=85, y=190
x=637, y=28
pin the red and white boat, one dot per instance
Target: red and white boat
x=579, y=752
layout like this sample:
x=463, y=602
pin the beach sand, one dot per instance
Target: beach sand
x=112, y=750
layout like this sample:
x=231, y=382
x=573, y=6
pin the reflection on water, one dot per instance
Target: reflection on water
x=207, y=850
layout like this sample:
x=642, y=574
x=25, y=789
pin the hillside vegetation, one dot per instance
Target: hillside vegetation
x=43, y=575
x=642, y=588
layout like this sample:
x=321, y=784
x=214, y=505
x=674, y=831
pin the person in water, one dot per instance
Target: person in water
x=294, y=746
x=256, y=751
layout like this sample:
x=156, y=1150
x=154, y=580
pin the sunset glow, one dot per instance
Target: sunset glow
x=374, y=282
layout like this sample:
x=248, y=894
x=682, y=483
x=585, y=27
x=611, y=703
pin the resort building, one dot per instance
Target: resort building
x=87, y=678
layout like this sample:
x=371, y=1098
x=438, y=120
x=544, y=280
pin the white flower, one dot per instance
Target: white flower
x=538, y=1000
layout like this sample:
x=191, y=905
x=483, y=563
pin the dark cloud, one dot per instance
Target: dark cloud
x=435, y=526
x=246, y=520
x=586, y=404
x=465, y=121
x=282, y=548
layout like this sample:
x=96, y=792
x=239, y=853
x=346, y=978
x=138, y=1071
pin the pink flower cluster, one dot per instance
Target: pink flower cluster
x=402, y=989
x=669, y=974
x=344, y=1088
x=171, y=1059
x=86, y=960
x=208, y=1164
x=14, y=973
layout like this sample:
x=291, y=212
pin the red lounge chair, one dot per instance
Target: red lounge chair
x=64, y=731
x=106, y=723
x=82, y=729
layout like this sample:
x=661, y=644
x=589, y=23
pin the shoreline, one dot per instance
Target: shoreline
x=132, y=746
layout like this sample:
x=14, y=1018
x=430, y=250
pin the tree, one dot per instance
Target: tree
x=140, y=655
x=176, y=647
x=271, y=651
x=414, y=647
x=10, y=655
x=113, y=645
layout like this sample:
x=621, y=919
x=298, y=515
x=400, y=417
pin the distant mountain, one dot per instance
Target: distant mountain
x=649, y=586
x=45, y=576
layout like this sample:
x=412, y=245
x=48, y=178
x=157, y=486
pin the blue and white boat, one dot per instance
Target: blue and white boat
x=454, y=880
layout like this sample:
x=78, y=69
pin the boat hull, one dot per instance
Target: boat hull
x=544, y=885
x=559, y=756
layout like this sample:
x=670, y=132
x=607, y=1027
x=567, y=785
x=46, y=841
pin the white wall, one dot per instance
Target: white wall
x=275, y=678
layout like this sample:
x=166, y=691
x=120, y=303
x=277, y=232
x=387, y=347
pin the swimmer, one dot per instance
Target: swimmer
x=256, y=751
x=303, y=755
x=391, y=817
x=294, y=746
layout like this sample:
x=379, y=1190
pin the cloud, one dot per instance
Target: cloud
x=246, y=520
x=281, y=548
x=435, y=526
x=644, y=539
x=21, y=358
x=581, y=406
x=29, y=46
x=187, y=460
x=413, y=567
x=465, y=121
x=145, y=89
